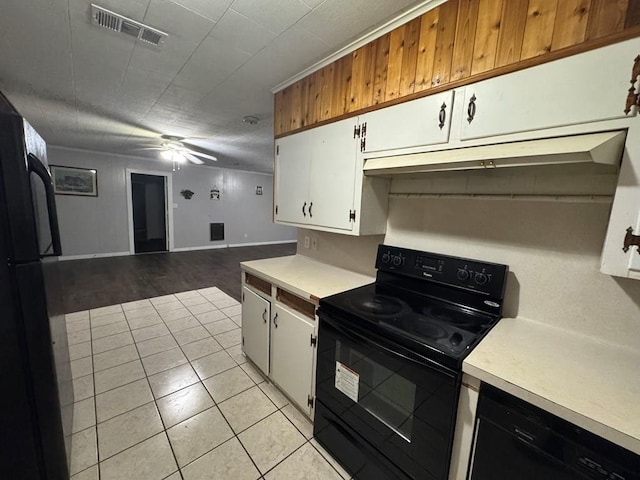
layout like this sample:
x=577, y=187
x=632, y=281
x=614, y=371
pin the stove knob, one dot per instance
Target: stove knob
x=397, y=260
x=386, y=257
x=455, y=339
x=481, y=279
x=463, y=274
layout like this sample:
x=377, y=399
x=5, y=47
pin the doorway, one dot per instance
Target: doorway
x=149, y=205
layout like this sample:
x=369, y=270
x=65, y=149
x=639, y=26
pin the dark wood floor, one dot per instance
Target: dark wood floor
x=99, y=282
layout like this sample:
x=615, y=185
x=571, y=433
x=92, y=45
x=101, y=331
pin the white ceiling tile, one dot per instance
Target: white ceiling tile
x=237, y=31
x=312, y=3
x=292, y=51
x=36, y=62
x=337, y=25
x=86, y=87
x=179, y=98
x=275, y=15
x=210, y=64
x=211, y=9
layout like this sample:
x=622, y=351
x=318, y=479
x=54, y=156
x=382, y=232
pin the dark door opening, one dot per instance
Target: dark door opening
x=148, y=194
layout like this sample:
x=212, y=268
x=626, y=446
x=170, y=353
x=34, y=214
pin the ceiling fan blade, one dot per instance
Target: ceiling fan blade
x=193, y=151
x=192, y=158
x=149, y=148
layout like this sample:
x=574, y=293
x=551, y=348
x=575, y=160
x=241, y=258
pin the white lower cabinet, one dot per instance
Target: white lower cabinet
x=292, y=355
x=280, y=340
x=256, y=312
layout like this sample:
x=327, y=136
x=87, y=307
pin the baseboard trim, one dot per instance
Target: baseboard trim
x=204, y=247
x=182, y=249
x=65, y=258
x=256, y=244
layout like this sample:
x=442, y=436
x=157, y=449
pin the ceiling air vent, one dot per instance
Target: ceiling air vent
x=118, y=23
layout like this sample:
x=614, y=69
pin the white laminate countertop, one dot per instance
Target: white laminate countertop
x=306, y=277
x=592, y=384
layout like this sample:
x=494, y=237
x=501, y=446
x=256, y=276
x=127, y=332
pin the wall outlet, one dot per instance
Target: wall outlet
x=314, y=243
x=306, y=242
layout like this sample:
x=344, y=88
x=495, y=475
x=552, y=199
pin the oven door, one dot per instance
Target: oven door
x=399, y=402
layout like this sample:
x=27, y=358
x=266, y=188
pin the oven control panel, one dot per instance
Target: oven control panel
x=483, y=277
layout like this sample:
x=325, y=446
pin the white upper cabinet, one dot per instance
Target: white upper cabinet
x=621, y=252
x=292, y=177
x=421, y=122
x=583, y=88
x=320, y=183
x=332, y=178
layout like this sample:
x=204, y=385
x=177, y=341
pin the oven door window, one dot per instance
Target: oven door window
x=406, y=409
x=383, y=393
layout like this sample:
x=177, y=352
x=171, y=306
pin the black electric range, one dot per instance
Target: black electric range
x=390, y=357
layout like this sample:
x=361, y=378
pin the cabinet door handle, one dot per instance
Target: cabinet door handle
x=471, y=109
x=442, y=116
x=304, y=209
x=264, y=315
x=310, y=207
x=275, y=320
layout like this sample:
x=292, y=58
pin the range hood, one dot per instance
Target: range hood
x=603, y=148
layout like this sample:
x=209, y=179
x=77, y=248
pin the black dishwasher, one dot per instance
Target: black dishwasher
x=515, y=440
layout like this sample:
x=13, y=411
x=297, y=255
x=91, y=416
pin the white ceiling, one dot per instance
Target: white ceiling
x=85, y=87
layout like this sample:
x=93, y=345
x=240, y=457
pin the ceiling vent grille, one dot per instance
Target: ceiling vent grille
x=119, y=23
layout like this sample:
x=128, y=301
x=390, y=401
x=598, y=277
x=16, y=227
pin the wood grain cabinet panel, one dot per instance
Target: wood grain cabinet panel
x=538, y=30
x=455, y=44
x=571, y=23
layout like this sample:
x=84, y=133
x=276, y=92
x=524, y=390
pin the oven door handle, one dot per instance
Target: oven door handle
x=397, y=350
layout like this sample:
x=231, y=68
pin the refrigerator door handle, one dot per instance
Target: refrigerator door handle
x=37, y=167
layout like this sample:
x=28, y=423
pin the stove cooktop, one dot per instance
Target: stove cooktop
x=427, y=322
x=436, y=305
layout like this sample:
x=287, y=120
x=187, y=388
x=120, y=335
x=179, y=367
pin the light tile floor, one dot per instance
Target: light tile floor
x=163, y=391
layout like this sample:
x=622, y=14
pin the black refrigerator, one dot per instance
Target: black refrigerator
x=36, y=406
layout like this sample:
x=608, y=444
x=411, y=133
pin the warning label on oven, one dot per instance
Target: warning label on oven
x=347, y=381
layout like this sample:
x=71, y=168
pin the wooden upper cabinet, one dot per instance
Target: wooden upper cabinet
x=457, y=43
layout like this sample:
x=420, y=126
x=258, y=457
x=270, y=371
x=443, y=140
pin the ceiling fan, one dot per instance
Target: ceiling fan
x=172, y=148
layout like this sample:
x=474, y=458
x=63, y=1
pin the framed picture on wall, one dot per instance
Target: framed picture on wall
x=74, y=181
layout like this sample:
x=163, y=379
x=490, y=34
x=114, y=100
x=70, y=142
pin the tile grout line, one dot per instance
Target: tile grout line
x=235, y=435
x=95, y=398
x=201, y=382
x=175, y=458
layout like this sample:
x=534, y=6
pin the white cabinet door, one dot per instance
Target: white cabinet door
x=256, y=312
x=292, y=355
x=426, y=121
x=292, y=178
x=332, y=178
x=583, y=88
x=625, y=213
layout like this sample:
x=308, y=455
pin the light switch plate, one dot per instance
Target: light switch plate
x=306, y=241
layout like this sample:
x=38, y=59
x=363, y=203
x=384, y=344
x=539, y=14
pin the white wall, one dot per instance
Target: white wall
x=99, y=225
x=552, y=248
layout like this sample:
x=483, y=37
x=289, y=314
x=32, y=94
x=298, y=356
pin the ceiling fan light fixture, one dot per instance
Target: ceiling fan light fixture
x=166, y=154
